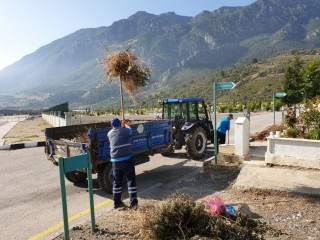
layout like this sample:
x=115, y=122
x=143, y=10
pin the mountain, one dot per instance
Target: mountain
x=178, y=49
x=256, y=81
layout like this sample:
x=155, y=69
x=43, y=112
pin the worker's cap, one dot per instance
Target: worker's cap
x=231, y=115
x=115, y=122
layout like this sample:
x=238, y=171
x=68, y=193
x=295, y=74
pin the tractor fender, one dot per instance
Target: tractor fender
x=187, y=126
x=190, y=125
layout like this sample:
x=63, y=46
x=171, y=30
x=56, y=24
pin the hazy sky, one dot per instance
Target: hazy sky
x=26, y=25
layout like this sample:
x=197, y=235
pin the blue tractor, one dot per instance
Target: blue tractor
x=191, y=125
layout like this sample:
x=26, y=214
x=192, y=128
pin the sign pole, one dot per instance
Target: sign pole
x=89, y=175
x=218, y=86
x=215, y=124
x=274, y=95
x=63, y=199
x=274, y=114
x=68, y=164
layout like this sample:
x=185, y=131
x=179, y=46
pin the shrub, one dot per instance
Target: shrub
x=230, y=108
x=313, y=134
x=239, y=107
x=291, y=119
x=311, y=116
x=221, y=108
x=180, y=217
x=292, y=132
x=266, y=106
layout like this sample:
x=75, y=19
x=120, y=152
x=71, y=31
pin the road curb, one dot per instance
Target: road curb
x=23, y=145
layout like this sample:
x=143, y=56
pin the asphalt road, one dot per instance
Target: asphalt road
x=30, y=203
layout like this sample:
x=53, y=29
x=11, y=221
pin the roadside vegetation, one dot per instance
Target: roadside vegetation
x=255, y=81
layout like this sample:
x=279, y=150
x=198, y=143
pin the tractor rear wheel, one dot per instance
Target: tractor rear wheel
x=196, y=143
x=76, y=176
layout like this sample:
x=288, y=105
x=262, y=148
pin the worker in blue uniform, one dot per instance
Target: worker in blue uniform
x=223, y=127
x=122, y=162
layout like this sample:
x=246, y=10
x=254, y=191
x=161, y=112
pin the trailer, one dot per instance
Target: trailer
x=147, y=138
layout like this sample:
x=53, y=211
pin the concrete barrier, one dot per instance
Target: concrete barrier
x=55, y=119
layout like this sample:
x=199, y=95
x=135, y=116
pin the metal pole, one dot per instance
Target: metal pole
x=89, y=175
x=215, y=124
x=121, y=99
x=64, y=199
x=274, y=115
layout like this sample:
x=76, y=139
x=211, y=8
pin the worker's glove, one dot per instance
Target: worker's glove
x=123, y=123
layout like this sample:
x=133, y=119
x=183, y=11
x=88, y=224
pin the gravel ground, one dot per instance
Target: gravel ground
x=290, y=216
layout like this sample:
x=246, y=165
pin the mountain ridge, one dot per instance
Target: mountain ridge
x=172, y=45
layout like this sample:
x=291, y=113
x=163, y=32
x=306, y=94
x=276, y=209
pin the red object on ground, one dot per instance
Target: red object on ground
x=216, y=205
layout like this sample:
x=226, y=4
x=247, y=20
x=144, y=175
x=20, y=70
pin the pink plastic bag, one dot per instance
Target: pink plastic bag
x=216, y=205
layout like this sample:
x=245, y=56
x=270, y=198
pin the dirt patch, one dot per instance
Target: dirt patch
x=29, y=130
x=286, y=215
x=261, y=136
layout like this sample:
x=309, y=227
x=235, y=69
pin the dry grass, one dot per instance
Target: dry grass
x=31, y=130
x=125, y=66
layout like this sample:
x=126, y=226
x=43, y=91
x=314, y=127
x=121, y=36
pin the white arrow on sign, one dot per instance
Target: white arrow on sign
x=280, y=94
x=225, y=86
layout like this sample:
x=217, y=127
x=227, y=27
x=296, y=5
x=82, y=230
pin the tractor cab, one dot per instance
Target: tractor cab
x=184, y=109
x=191, y=124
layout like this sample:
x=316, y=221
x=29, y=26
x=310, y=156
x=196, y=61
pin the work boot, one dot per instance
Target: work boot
x=134, y=203
x=119, y=205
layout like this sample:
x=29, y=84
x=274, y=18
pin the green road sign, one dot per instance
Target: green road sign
x=280, y=94
x=225, y=86
x=69, y=164
x=274, y=95
x=218, y=86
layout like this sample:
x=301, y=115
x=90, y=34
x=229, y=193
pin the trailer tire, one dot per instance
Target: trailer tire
x=196, y=143
x=105, y=177
x=76, y=176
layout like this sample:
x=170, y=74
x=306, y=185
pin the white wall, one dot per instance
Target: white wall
x=55, y=119
x=293, y=152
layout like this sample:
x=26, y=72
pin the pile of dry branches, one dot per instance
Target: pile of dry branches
x=180, y=217
x=125, y=66
x=261, y=136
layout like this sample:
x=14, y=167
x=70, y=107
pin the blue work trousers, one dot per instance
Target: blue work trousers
x=120, y=170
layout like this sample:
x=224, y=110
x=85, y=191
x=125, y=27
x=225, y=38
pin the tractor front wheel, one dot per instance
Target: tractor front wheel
x=76, y=176
x=167, y=151
x=196, y=143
